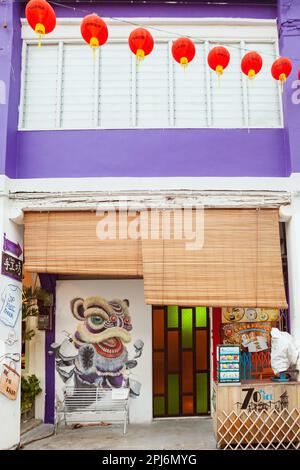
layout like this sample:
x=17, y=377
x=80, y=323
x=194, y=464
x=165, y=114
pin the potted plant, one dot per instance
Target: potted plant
x=30, y=388
x=32, y=299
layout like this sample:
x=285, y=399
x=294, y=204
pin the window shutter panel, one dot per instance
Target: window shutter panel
x=263, y=96
x=153, y=88
x=40, y=87
x=115, y=86
x=190, y=100
x=78, y=86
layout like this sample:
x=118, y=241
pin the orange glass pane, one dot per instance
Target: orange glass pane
x=187, y=372
x=173, y=351
x=201, y=349
x=187, y=405
x=158, y=329
x=158, y=373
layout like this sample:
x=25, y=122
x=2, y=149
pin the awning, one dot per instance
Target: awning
x=238, y=265
x=67, y=243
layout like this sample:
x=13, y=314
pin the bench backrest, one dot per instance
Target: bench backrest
x=95, y=398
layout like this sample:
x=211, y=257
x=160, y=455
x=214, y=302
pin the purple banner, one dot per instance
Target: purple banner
x=12, y=247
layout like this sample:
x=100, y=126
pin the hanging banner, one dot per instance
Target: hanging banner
x=9, y=382
x=12, y=247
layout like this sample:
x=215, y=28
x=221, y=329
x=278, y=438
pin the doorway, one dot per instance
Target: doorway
x=181, y=370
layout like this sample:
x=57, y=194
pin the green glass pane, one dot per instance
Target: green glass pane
x=201, y=316
x=202, y=393
x=172, y=317
x=187, y=327
x=173, y=394
x=159, y=406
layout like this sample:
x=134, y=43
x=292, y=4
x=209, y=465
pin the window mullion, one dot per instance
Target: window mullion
x=208, y=91
x=171, y=86
x=279, y=94
x=59, y=84
x=133, y=90
x=245, y=89
x=96, y=87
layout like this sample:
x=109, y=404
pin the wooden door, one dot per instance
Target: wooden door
x=181, y=379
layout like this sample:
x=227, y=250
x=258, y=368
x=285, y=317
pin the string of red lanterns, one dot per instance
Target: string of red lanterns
x=42, y=19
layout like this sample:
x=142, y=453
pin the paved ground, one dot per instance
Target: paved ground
x=194, y=433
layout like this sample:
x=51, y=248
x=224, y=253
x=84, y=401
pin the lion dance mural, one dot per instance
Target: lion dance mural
x=96, y=355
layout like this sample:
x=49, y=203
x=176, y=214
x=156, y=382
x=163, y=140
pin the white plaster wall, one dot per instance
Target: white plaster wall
x=293, y=252
x=9, y=409
x=133, y=290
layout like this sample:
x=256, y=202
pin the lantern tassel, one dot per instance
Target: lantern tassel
x=184, y=63
x=282, y=78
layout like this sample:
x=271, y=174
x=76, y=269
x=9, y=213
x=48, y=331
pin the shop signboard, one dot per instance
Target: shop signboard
x=11, y=267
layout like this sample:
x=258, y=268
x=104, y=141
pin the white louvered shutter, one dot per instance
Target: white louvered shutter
x=190, y=100
x=40, y=87
x=263, y=102
x=152, y=88
x=115, y=87
x=227, y=92
x=78, y=87
x=64, y=87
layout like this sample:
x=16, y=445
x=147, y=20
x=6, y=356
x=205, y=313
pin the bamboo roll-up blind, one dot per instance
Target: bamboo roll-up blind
x=67, y=243
x=238, y=265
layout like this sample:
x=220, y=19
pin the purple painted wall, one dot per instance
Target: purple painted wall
x=48, y=283
x=289, y=30
x=160, y=152
x=10, y=60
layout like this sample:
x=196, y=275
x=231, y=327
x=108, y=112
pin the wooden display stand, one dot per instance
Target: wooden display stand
x=257, y=414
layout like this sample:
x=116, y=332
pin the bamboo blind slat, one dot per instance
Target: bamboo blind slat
x=239, y=264
x=67, y=243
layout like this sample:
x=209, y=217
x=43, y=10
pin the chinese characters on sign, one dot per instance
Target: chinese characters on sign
x=11, y=267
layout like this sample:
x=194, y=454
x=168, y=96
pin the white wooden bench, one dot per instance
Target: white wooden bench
x=93, y=405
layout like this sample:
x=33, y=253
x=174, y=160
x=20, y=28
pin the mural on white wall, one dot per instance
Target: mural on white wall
x=95, y=355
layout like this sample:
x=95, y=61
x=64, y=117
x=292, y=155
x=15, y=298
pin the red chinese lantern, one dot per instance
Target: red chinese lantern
x=251, y=64
x=141, y=43
x=41, y=17
x=299, y=74
x=281, y=69
x=94, y=31
x=218, y=59
x=183, y=51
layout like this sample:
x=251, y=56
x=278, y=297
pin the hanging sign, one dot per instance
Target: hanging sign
x=12, y=247
x=9, y=382
x=10, y=305
x=11, y=267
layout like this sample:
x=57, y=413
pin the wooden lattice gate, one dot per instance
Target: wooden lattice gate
x=253, y=430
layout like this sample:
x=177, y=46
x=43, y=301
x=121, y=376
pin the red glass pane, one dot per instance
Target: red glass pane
x=158, y=329
x=173, y=351
x=201, y=349
x=187, y=372
x=187, y=405
x=158, y=373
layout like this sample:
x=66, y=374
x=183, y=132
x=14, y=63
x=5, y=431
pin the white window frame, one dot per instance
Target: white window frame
x=218, y=30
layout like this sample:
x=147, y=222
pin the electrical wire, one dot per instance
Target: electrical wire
x=154, y=28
